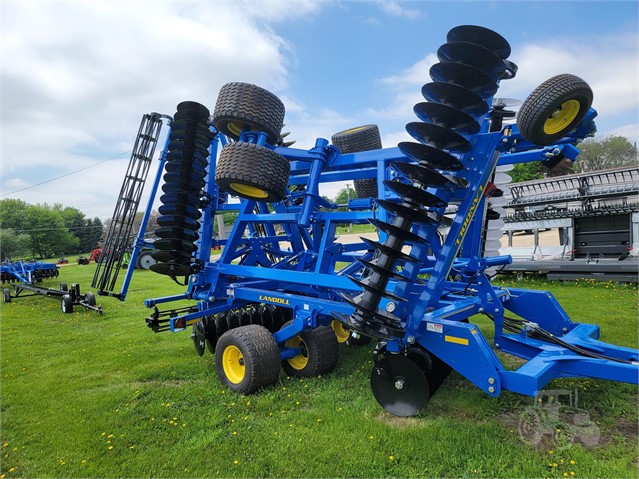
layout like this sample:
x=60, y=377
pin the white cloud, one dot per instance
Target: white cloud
x=393, y=8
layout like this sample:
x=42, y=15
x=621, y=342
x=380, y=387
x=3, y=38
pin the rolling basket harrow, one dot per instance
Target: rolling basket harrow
x=285, y=291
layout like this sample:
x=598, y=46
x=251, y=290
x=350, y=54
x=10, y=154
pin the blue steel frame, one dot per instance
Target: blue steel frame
x=302, y=269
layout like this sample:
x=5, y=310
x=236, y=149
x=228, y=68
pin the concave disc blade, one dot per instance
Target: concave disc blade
x=195, y=180
x=502, y=178
x=447, y=117
x=221, y=325
x=480, y=36
x=380, y=270
x=496, y=225
x=188, y=155
x=193, y=106
x=422, y=197
x=465, y=76
x=187, y=135
x=210, y=333
x=171, y=269
x=182, y=199
x=424, y=175
x=373, y=289
x=412, y=214
x=199, y=338
x=182, y=187
x=266, y=315
x=494, y=235
x=172, y=257
x=395, y=231
x=189, y=124
x=399, y=385
x=499, y=201
x=427, y=154
x=179, y=166
x=178, y=221
x=455, y=96
x=473, y=55
x=438, y=137
x=171, y=244
x=492, y=245
x=177, y=233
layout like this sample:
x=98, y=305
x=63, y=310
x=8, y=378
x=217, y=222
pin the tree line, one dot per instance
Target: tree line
x=45, y=231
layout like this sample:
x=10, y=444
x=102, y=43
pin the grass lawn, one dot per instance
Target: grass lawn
x=85, y=395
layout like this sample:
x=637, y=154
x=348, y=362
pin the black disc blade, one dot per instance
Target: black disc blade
x=221, y=325
x=388, y=250
x=399, y=385
x=427, y=154
x=182, y=187
x=178, y=199
x=266, y=316
x=189, y=125
x=178, y=221
x=171, y=269
x=396, y=231
x=412, y=214
x=192, y=178
x=177, y=233
x=172, y=257
x=210, y=333
x=170, y=244
x=190, y=135
x=195, y=145
x=256, y=317
x=480, y=36
x=447, y=117
x=278, y=316
x=473, y=55
x=199, y=339
x=465, y=76
x=455, y=96
x=422, y=197
x=233, y=320
x=180, y=166
x=438, y=137
x=193, y=106
x=188, y=155
x=422, y=174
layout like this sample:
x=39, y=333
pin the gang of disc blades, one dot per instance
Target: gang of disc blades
x=399, y=385
x=396, y=231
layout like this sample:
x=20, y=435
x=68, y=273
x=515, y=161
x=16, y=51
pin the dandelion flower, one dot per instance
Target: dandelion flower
x=371, y=437
x=572, y=461
x=236, y=462
x=110, y=447
x=391, y=458
x=12, y=469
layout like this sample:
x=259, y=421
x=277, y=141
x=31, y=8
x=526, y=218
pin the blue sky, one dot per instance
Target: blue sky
x=78, y=76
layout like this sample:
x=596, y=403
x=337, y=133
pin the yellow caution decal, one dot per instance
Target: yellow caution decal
x=456, y=340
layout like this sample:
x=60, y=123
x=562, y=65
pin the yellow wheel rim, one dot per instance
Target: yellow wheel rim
x=235, y=127
x=250, y=191
x=561, y=117
x=300, y=361
x=340, y=331
x=233, y=364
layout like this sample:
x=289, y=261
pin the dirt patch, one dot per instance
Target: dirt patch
x=400, y=422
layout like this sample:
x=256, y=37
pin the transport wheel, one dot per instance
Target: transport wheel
x=6, y=295
x=554, y=108
x=89, y=298
x=64, y=287
x=253, y=172
x=399, y=385
x=247, y=359
x=320, y=351
x=341, y=333
x=67, y=304
x=145, y=260
x=241, y=105
x=360, y=138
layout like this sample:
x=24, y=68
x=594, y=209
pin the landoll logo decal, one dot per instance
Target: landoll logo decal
x=273, y=299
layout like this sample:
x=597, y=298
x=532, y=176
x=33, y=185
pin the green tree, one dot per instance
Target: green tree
x=48, y=234
x=526, y=172
x=606, y=152
x=11, y=213
x=344, y=195
x=12, y=244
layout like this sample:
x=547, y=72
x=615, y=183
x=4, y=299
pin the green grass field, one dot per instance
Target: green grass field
x=85, y=395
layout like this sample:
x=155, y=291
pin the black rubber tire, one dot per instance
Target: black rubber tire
x=322, y=352
x=67, y=304
x=361, y=138
x=260, y=357
x=6, y=295
x=546, y=101
x=89, y=298
x=243, y=104
x=145, y=260
x=257, y=167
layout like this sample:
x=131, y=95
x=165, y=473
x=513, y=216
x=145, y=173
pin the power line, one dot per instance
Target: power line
x=65, y=175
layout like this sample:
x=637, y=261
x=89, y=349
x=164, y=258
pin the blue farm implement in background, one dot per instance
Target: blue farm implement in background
x=285, y=290
x=23, y=276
